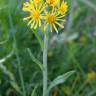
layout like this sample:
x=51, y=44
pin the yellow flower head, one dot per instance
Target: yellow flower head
x=37, y=1
x=35, y=13
x=52, y=19
x=91, y=76
x=63, y=8
x=52, y=3
x=40, y=14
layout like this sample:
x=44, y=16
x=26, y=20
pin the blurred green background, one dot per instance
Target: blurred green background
x=74, y=48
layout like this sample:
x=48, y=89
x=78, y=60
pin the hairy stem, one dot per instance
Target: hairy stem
x=45, y=65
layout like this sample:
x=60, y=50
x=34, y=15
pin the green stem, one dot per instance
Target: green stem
x=45, y=65
x=19, y=69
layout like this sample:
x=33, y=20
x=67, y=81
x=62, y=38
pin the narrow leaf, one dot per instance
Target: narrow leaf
x=7, y=72
x=11, y=76
x=34, y=91
x=6, y=57
x=34, y=59
x=15, y=86
x=60, y=79
x=3, y=42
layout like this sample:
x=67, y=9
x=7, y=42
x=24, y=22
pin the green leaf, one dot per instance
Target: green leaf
x=9, y=91
x=15, y=86
x=34, y=59
x=60, y=79
x=0, y=82
x=34, y=91
x=11, y=76
x=3, y=42
x=6, y=57
x=7, y=72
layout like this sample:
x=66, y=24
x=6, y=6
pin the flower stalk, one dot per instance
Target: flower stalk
x=45, y=73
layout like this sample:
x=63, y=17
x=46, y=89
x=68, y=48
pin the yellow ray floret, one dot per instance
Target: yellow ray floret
x=63, y=7
x=52, y=3
x=53, y=20
x=36, y=1
x=35, y=13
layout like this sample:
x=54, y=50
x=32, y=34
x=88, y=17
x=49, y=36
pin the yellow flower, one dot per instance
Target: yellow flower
x=39, y=13
x=63, y=7
x=35, y=13
x=27, y=7
x=91, y=76
x=52, y=20
x=52, y=3
x=37, y=1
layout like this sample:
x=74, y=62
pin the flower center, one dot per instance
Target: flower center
x=36, y=15
x=36, y=1
x=51, y=18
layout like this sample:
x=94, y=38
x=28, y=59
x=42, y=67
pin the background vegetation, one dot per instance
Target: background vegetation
x=74, y=48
